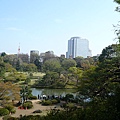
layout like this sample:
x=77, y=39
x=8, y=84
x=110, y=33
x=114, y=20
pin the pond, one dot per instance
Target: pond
x=57, y=92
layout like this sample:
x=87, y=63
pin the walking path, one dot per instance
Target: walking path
x=36, y=106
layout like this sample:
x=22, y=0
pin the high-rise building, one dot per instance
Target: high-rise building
x=34, y=54
x=78, y=47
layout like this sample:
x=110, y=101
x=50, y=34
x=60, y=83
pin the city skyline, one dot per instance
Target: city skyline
x=47, y=25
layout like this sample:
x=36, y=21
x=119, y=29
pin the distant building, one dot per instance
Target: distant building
x=24, y=57
x=34, y=54
x=78, y=47
x=62, y=56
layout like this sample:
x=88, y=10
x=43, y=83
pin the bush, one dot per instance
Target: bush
x=32, y=97
x=4, y=111
x=27, y=104
x=13, y=111
x=47, y=102
x=54, y=101
x=10, y=108
x=37, y=111
x=8, y=117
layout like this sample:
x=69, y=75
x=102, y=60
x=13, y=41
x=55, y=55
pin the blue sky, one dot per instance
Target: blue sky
x=48, y=24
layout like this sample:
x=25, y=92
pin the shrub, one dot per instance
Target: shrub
x=37, y=111
x=9, y=107
x=28, y=104
x=54, y=101
x=4, y=111
x=8, y=117
x=32, y=97
x=47, y=102
x=13, y=111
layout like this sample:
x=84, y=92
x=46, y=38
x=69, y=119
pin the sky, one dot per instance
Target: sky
x=45, y=25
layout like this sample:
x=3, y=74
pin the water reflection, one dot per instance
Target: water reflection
x=57, y=92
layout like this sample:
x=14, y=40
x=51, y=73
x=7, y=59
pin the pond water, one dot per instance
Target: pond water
x=57, y=92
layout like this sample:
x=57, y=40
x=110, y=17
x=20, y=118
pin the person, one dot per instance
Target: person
x=38, y=96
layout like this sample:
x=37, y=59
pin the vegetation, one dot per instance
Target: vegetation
x=4, y=111
x=8, y=91
x=97, y=81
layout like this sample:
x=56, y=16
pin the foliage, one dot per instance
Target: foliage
x=46, y=102
x=38, y=64
x=9, y=68
x=84, y=63
x=118, y=1
x=27, y=104
x=10, y=108
x=25, y=93
x=8, y=117
x=15, y=77
x=67, y=63
x=9, y=91
x=76, y=73
x=3, y=54
x=55, y=101
x=51, y=65
x=50, y=78
x=32, y=97
x=37, y=111
x=3, y=111
x=28, y=80
x=2, y=68
x=108, y=52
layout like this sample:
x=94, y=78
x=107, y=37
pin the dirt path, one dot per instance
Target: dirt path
x=36, y=106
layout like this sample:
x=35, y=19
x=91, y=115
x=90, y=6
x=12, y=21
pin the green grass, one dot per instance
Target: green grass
x=38, y=74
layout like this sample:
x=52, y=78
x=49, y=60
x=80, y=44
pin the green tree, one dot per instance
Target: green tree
x=67, y=63
x=38, y=64
x=108, y=52
x=31, y=67
x=51, y=65
x=2, y=68
x=3, y=54
x=117, y=1
x=51, y=78
x=76, y=73
x=25, y=92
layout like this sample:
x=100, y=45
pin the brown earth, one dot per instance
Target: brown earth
x=36, y=106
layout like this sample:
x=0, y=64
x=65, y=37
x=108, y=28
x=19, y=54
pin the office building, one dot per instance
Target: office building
x=34, y=54
x=78, y=47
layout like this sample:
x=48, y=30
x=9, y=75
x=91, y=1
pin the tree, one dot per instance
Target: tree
x=51, y=78
x=51, y=65
x=15, y=77
x=67, y=63
x=38, y=64
x=9, y=68
x=117, y=1
x=108, y=52
x=3, y=54
x=76, y=73
x=2, y=68
x=31, y=67
x=25, y=92
x=9, y=91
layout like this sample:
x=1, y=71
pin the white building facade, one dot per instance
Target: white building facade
x=78, y=47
